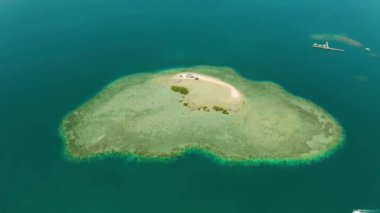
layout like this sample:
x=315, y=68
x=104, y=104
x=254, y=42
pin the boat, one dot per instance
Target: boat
x=326, y=47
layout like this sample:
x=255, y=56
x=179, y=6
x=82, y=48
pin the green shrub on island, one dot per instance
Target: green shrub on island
x=216, y=108
x=204, y=108
x=179, y=89
x=186, y=104
x=224, y=111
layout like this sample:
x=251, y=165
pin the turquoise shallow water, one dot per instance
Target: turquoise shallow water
x=55, y=55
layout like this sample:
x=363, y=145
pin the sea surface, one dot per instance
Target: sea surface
x=56, y=55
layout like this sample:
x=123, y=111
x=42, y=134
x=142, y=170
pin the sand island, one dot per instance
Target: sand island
x=162, y=115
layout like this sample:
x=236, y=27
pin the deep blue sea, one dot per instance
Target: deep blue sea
x=56, y=55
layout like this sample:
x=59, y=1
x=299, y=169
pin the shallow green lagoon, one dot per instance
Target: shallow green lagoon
x=55, y=55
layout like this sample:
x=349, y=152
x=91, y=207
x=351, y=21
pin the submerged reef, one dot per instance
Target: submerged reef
x=214, y=110
x=337, y=37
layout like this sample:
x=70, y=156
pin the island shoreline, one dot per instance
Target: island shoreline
x=204, y=152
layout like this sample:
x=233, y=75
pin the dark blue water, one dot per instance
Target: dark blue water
x=55, y=55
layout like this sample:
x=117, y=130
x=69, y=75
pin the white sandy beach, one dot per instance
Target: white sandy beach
x=233, y=91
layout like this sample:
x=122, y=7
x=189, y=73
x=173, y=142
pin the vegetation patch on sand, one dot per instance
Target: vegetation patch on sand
x=140, y=115
x=179, y=89
x=216, y=108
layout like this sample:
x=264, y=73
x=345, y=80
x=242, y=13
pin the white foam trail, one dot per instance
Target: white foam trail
x=366, y=211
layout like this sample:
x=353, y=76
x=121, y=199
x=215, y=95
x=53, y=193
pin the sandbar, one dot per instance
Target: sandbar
x=337, y=37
